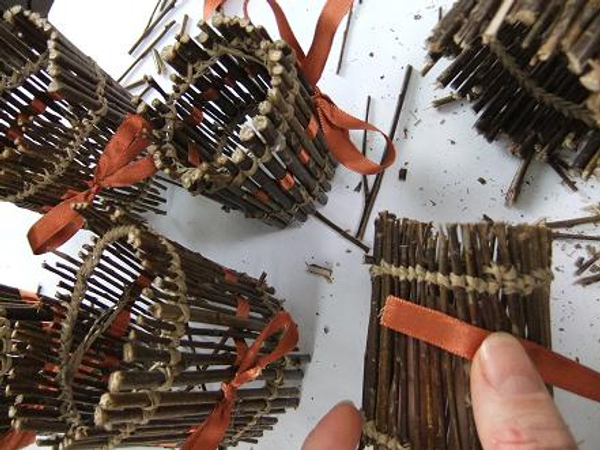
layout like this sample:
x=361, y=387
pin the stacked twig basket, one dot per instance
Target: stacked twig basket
x=531, y=70
x=240, y=127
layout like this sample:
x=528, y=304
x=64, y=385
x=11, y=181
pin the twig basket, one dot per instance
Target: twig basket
x=496, y=277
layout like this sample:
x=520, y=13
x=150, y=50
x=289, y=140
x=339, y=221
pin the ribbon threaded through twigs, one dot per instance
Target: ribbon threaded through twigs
x=117, y=167
x=210, y=434
x=463, y=339
x=335, y=123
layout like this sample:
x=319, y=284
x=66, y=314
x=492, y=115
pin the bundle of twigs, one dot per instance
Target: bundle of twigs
x=24, y=320
x=496, y=277
x=30, y=362
x=532, y=70
x=148, y=332
x=240, y=127
x=58, y=110
x=39, y=6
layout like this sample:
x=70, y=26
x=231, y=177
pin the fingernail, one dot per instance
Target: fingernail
x=507, y=367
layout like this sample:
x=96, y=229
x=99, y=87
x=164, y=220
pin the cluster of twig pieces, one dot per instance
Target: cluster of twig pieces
x=161, y=10
x=496, y=277
x=531, y=70
x=133, y=349
x=583, y=265
x=58, y=110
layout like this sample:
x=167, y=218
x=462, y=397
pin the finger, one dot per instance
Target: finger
x=512, y=407
x=340, y=429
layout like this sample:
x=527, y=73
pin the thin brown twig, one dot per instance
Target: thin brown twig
x=365, y=180
x=150, y=28
x=360, y=233
x=344, y=40
x=568, y=223
x=148, y=50
x=576, y=237
x=342, y=232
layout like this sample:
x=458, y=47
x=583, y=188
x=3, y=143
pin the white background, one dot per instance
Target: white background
x=443, y=154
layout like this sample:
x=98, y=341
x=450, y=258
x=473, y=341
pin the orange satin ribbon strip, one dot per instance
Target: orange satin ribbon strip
x=210, y=6
x=16, y=440
x=211, y=432
x=462, y=339
x=117, y=167
x=336, y=124
x=29, y=297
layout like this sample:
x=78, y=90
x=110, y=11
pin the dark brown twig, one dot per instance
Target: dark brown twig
x=568, y=223
x=344, y=40
x=576, y=237
x=151, y=18
x=150, y=28
x=147, y=51
x=360, y=233
x=365, y=180
x=342, y=232
x=563, y=174
x=587, y=264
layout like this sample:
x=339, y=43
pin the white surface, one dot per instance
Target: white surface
x=442, y=186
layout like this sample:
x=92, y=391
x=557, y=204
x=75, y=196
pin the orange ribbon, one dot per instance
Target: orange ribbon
x=29, y=297
x=16, y=440
x=116, y=167
x=335, y=123
x=210, y=6
x=462, y=339
x=211, y=432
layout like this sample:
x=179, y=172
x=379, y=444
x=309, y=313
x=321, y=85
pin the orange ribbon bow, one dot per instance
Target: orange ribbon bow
x=211, y=432
x=116, y=167
x=336, y=124
x=462, y=339
x=16, y=440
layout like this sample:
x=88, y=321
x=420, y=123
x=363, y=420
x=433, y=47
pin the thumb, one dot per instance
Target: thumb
x=512, y=407
x=340, y=429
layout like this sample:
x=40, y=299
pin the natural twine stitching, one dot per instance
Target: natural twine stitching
x=273, y=387
x=502, y=278
x=565, y=107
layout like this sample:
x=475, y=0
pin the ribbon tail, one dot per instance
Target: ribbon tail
x=210, y=6
x=16, y=440
x=56, y=227
x=463, y=339
x=282, y=321
x=127, y=142
x=336, y=125
x=132, y=173
x=211, y=433
x=332, y=14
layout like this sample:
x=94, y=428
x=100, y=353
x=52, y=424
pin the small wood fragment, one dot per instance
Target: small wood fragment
x=158, y=61
x=320, y=271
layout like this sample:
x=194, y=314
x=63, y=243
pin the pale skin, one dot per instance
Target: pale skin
x=512, y=408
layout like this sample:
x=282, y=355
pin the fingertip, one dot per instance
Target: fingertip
x=511, y=405
x=339, y=429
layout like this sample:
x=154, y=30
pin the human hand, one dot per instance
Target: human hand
x=511, y=405
x=512, y=408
